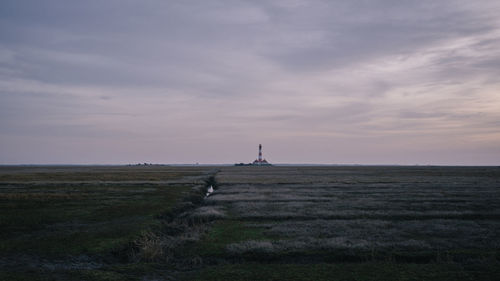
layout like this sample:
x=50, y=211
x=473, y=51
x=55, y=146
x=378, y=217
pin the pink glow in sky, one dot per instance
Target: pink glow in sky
x=367, y=82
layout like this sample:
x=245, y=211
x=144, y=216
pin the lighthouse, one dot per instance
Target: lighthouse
x=260, y=153
x=260, y=161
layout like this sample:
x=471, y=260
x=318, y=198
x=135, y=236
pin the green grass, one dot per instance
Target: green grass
x=94, y=224
x=344, y=272
x=114, y=272
x=81, y=275
x=271, y=229
x=95, y=173
x=225, y=232
x=354, y=223
x=54, y=214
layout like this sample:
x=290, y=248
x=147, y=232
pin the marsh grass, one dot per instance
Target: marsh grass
x=363, y=215
x=52, y=216
x=371, y=271
x=225, y=232
x=268, y=223
x=81, y=174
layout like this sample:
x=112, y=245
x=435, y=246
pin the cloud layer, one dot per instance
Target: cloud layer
x=370, y=82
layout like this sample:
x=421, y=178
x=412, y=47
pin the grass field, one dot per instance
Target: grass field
x=261, y=223
x=85, y=222
x=354, y=223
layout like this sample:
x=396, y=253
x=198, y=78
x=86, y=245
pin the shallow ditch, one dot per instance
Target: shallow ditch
x=159, y=244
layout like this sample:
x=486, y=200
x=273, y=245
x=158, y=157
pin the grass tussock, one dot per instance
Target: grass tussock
x=150, y=247
x=251, y=247
x=184, y=225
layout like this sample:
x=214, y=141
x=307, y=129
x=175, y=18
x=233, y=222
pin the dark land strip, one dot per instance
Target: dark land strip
x=402, y=223
x=267, y=223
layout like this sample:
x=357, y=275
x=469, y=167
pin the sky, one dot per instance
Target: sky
x=197, y=81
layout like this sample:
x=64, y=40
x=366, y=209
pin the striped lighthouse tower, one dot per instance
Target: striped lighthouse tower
x=260, y=161
x=260, y=153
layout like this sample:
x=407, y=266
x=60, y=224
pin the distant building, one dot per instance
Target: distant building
x=260, y=161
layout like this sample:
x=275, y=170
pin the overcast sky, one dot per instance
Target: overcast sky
x=368, y=82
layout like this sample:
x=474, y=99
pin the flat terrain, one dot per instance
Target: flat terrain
x=81, y=222
x=354, y=223
x=261, y=223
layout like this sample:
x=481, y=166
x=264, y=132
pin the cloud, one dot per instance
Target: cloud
x=195, y=75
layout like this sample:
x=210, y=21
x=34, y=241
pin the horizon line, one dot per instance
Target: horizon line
x=233, y=164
